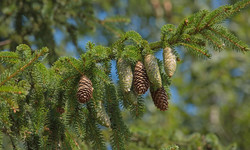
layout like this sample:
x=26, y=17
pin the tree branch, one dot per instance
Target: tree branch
x=6, y=42
x=22, y=68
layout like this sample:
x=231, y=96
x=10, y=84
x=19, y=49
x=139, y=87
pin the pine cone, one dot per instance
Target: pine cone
x=169, y=61
x=153, y=70
x=85, y=90
x=125, y=74
x=141, y=82
x=160, y=98
x=102, y=116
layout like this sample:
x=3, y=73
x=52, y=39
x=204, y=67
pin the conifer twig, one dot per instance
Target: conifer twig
x=230, y=40
x=241, y=6
x=72, y=139
x=213, y=41
x=6, y=91
x=156, y=45
x=22, y=68
x=74, y=66
x=67, y=79
x=198, y=25
x=108, y=28
x=114, y=20
x=195, y=48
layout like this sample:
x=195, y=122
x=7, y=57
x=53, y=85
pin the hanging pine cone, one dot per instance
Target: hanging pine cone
x=102, y=116
x=141, y=82
x=160, y=98
x=85, y=90
x=125, y=74
x=153, y=70
x=169, y=61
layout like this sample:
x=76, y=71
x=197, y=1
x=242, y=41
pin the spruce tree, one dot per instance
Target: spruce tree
x=59, y=106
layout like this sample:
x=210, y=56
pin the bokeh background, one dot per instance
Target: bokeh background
x=209, y=106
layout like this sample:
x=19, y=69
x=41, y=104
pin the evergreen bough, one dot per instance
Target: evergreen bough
x=38, y=104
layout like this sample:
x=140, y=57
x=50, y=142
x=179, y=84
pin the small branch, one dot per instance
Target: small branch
x=214, y=42
x=108, y=28
x=112, y=30
x=200, y=51
x=22, y=68
x=16, y=92
x=212, y=19
x=241, y=6
x=197, y=27
x=222, y=35
x=6, y=42
x=74, y=66
x=113, y=20
x=8, y=57
x=72, y=139
x=67, y=79
x=156, y=45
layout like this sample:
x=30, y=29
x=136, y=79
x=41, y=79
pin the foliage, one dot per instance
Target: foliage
x=38, y=103
x=30, y=20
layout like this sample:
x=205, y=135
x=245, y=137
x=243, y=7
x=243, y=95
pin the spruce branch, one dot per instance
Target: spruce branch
x=199, y=24
x=203, y=14
x=213, y=40
x=93, y=133
x=108, y=24
x=8, y=57
x=111, y=29
x=116, y=19
x=41, y=53
x=225, y=34
x=76, y=143
x=212, y=16
x=69, y=61
x=61, y=79
x=120, y=132
x=218, y=15
x=138, y=108
x=12, y=104
x=156, y=45
x=69, y=78
x=12, y=89
x=197, y=49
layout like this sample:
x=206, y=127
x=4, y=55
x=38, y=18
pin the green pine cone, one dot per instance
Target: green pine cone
x=169, y=61
x=102, y=116
x=125, y=74
x=153, y=71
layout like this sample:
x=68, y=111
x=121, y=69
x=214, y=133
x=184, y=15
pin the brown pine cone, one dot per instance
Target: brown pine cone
x=85, y=90
x=160, y=98
x=141, y=82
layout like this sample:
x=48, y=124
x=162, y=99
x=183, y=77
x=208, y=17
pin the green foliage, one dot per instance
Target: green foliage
x=40, y=19
x=202, y=25
x=38, y=103
x=120, y=132
x=8, y=57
